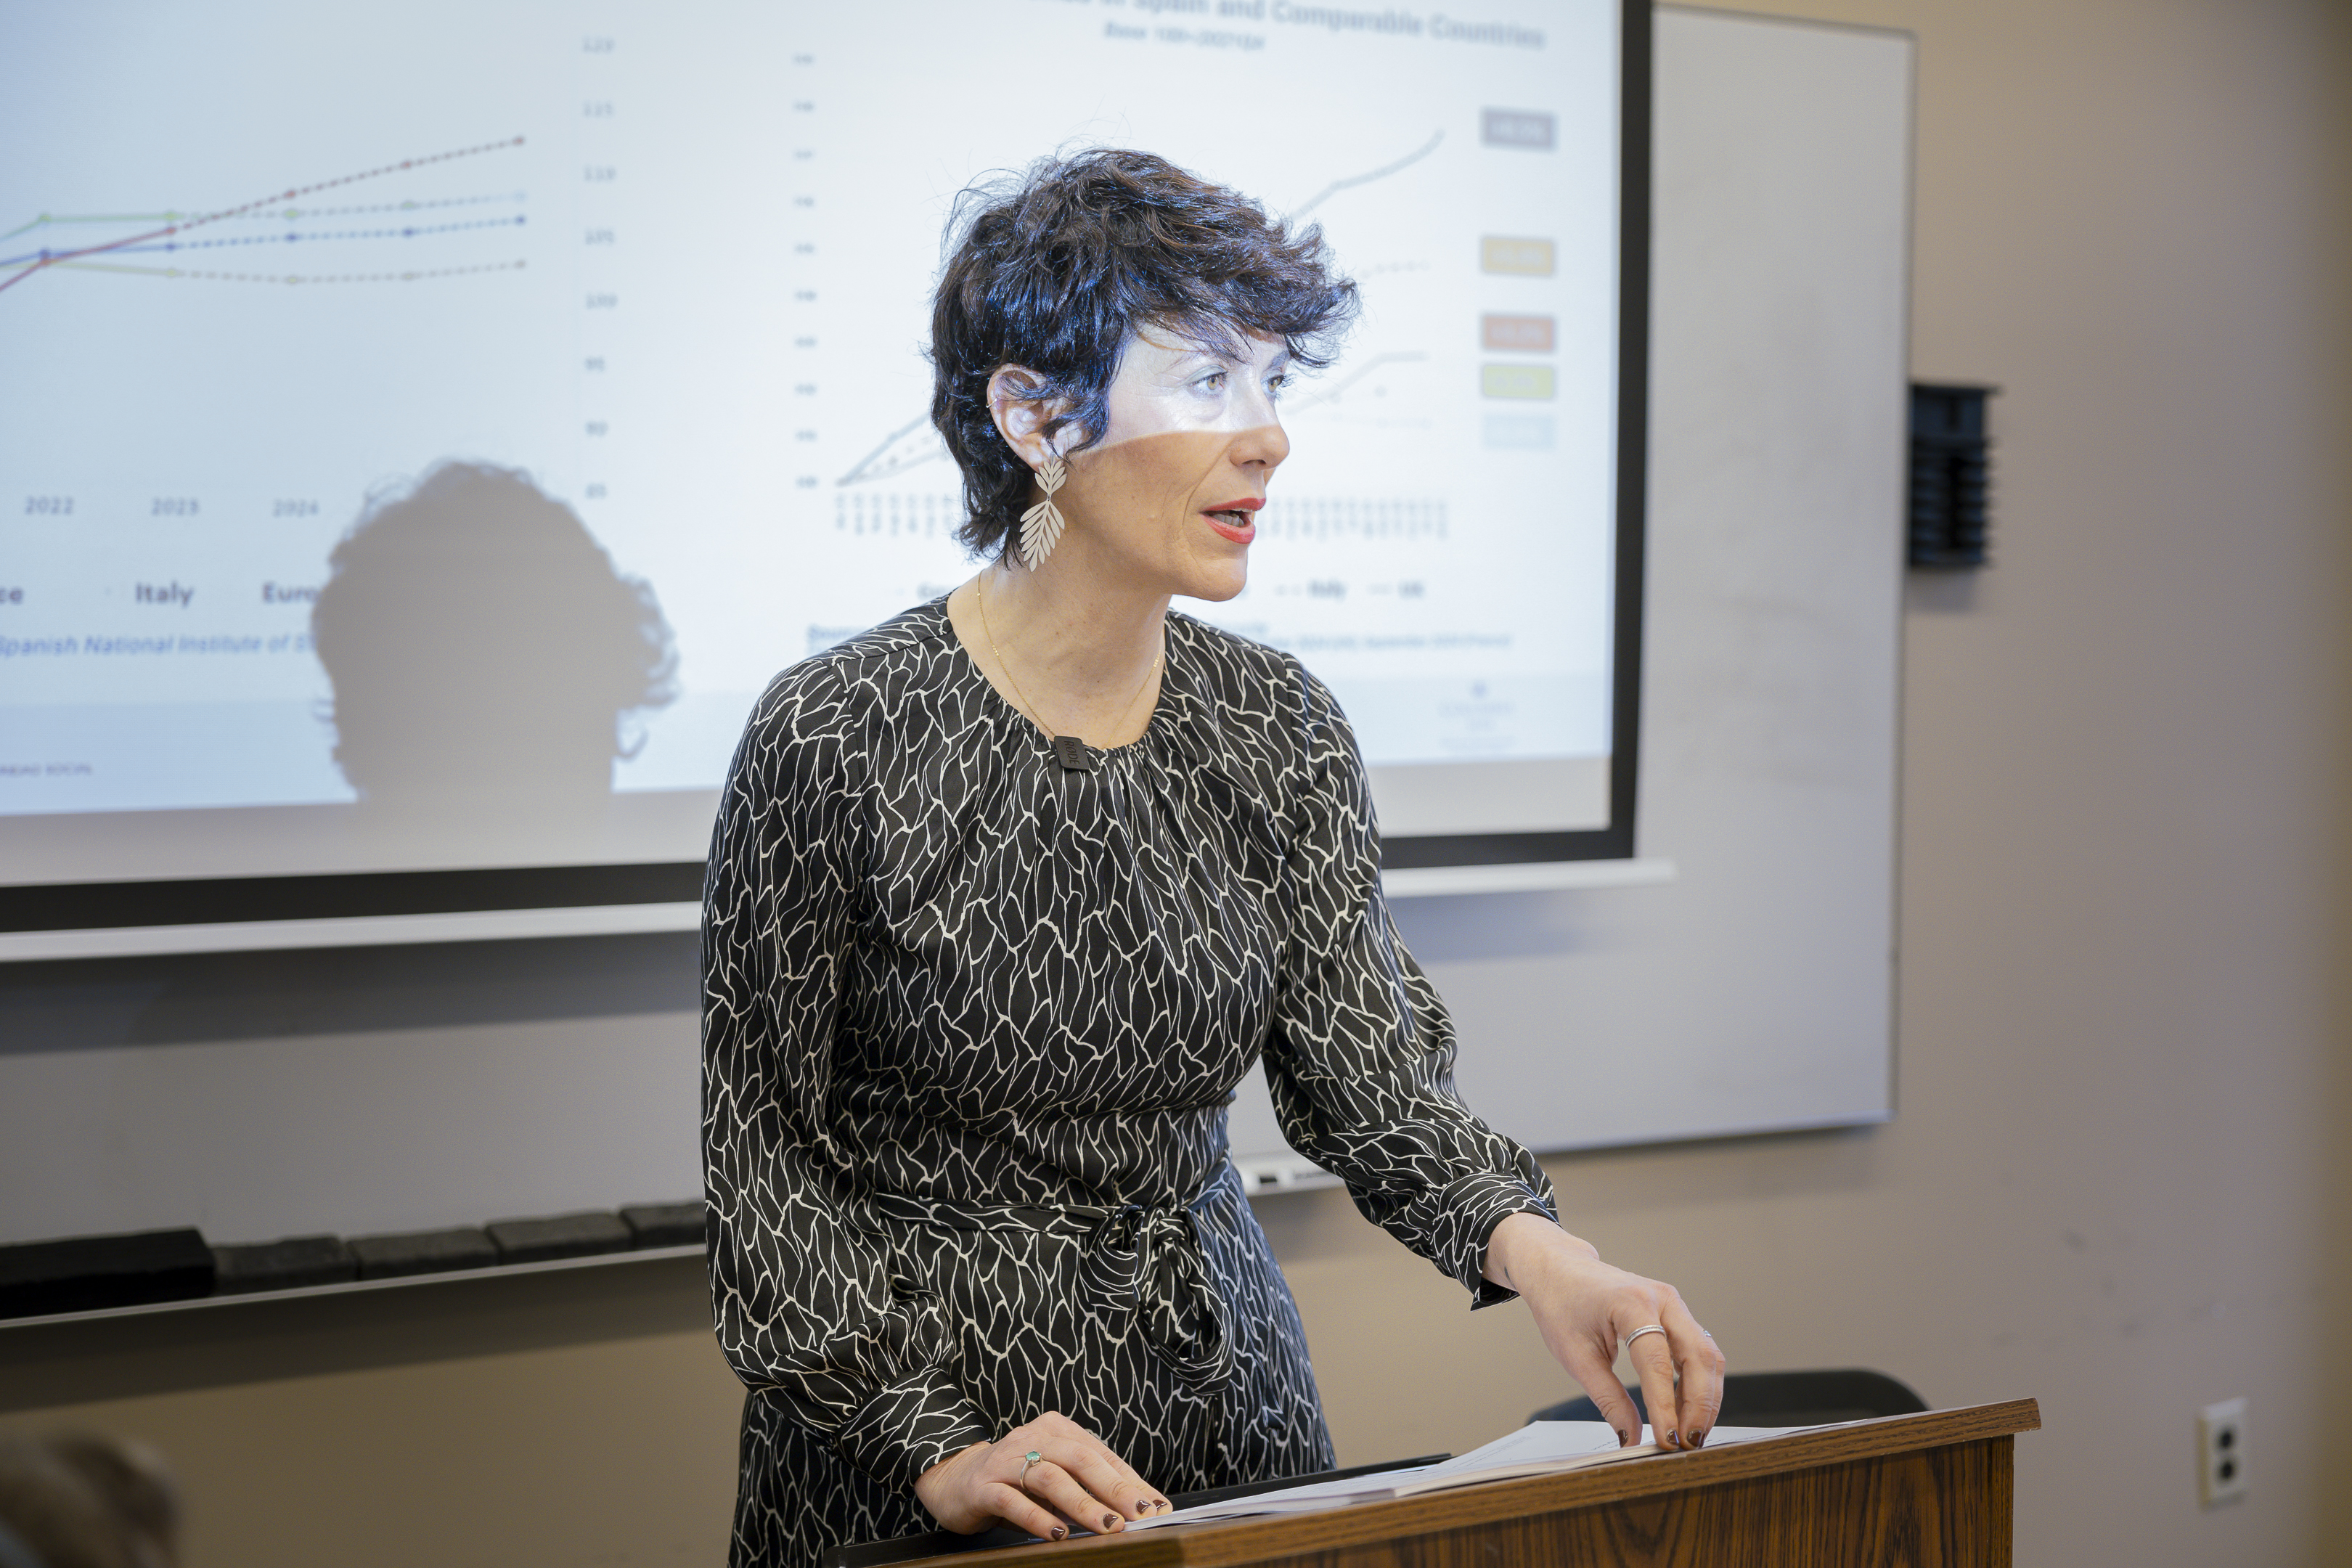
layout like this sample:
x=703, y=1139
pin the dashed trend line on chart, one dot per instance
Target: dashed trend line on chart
x=1337, y=389
x=1352, y=181
x=172, y=224
x=910, y=446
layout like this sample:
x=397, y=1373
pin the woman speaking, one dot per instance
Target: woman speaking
x=1007, y=895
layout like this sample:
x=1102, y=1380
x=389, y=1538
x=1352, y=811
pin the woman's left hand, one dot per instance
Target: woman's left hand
x=1586, y=1309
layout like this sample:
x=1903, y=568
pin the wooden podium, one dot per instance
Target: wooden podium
x=1918, y=1491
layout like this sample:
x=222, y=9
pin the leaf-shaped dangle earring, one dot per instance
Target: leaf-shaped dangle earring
x=1041, y=525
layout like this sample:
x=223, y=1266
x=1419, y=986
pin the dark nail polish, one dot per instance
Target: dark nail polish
x=1110, y=1521
x=1143, y=1505
x=1059, y=1532
x=1697, y=1438
x=1672, y=1441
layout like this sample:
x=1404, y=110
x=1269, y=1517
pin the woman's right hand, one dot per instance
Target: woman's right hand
x=1076, y=1481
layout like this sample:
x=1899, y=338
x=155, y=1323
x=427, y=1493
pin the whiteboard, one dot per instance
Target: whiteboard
x=263, y=1095
x=1754, y=991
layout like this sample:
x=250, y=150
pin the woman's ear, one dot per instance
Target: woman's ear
x=1021, y=415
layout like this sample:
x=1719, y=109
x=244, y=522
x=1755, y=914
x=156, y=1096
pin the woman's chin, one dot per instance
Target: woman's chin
x=1216, y=580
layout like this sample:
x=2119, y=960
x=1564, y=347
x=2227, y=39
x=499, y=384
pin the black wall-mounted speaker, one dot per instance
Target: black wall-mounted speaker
x=1951, y=477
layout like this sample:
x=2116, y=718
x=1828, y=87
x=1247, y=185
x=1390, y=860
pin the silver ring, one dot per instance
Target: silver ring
x=1030, y=1458
x=1644, y=1329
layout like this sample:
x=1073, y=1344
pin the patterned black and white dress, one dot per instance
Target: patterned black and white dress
x=971, y=1021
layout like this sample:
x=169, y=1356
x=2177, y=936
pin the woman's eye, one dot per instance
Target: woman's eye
x=1213, y=382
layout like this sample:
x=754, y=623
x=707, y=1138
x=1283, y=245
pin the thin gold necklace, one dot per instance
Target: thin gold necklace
x=1069, y=749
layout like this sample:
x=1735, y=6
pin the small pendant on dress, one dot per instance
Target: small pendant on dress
x=1072, y=753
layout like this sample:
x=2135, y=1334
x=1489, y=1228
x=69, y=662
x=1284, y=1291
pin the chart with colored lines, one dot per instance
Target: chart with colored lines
x=660, y=275
x=352, y=241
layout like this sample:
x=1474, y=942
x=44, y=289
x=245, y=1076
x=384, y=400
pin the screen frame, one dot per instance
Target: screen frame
x=119, y=905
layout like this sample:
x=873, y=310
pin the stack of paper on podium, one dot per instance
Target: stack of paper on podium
x=1539, y=1448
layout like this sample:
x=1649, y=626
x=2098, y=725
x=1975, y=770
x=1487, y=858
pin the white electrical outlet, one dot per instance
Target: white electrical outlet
x=2221, y=1453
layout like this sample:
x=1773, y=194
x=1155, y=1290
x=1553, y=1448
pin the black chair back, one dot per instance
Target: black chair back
x=1781, y=1399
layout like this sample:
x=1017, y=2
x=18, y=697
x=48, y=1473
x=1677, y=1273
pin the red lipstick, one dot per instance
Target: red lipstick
x=1236, y=519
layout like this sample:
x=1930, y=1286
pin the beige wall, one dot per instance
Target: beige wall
x=2113, y=1180
x=2335, y=1361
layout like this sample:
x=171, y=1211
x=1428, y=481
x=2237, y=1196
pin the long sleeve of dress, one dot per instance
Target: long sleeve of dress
x=1360, y=1058
x=803, y=1305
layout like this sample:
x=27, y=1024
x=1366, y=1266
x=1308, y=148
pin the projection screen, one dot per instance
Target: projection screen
x=428, y=427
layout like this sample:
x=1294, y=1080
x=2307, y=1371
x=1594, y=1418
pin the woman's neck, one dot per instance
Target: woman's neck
x=1076, y=653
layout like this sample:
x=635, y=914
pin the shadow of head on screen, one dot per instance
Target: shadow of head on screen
x=485, y=653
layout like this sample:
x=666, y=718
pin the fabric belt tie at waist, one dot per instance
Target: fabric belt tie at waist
x=1145, y=1259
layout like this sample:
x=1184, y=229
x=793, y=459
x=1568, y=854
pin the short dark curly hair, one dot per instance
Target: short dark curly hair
x=1057, y=268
